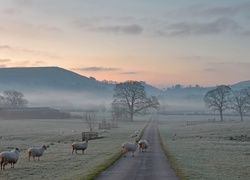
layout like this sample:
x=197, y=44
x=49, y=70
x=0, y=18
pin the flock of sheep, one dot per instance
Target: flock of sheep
x=11, y=157
x=142, y=145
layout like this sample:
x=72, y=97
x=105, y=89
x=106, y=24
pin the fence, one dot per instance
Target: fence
x=89, y=135
x=105, y=125
x=200, y=122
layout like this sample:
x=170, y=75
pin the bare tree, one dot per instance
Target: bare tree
x=239, y=102
x=90, y=118
x=130, y=98
x=14, y=99
x=218, y=99
x=246, y=92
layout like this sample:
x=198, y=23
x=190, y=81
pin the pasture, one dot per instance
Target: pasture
x=57, y=161
x=218, y=150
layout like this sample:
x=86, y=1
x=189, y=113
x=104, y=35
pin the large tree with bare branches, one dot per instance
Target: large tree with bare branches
x=239, y=102
x=218, y=99
x=131, y=99
x=14, y=99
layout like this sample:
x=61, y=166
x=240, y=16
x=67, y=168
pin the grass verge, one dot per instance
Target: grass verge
x=171, y=159
x=105, y=165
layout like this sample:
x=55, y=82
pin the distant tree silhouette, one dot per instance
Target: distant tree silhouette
x=218, y=99
x=239, y=102
x=14, y=99
x=90, y=118
x=130, y=98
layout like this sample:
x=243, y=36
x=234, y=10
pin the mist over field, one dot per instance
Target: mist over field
x=67, y=100
x=65, y=90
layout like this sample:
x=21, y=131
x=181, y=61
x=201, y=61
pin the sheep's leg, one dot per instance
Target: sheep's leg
x=82, y=151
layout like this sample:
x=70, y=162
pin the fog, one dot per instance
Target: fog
x=82, y=101
x=67, y=100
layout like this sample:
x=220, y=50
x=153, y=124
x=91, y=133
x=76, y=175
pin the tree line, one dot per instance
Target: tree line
x=224, y=98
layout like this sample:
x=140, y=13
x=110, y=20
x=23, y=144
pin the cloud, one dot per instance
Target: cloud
x=30, y=51
x=4, y=47
x=24, y=2
x=11, y=11
x=133, y=29
x=228, y=10
x=96, y=69
x=129, y=73
x=5, y=60
x=211, y=70
x=246, y=33
x=93, y=25
x=186, y=28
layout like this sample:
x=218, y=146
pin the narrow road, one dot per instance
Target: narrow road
x=150, y=165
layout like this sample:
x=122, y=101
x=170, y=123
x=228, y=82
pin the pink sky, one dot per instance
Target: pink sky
x=160, y=42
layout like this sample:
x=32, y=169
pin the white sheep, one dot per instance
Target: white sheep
x=79, y=146
x=129, y=147
x=9, y=157
x=142, y=145
x=137, y=131
x=36, y=152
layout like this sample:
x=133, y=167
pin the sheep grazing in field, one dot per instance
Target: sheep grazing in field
x=36, y=152
x=133, y=135
x=79, y=146
x=137, y=131
x=9, y=157
x=142, y=145
x=129, y=147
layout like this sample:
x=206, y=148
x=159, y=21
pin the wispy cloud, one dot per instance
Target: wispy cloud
x=30, y=51
x=196, y=28
x=4, y=47
x=96, y=69
x=133, y=29
x=5, y=60
x=24, y=2
x=11, y=11
x=228, y=10
x=129, y=73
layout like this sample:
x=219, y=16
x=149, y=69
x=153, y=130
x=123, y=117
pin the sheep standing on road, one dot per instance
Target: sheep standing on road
x=79, y=146
x=142, y=145
x=36, y=152
x=129, y=147
x=9, y=157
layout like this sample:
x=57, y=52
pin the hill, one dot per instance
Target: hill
x=58, y=87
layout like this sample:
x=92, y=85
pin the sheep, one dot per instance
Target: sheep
x=79, y=146
x=36, y=152
x=133, y=135
x=9, y=157
x=137, y=131
x=129, y=147
x=142, y=145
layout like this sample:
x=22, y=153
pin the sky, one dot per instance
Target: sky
x=161, y=42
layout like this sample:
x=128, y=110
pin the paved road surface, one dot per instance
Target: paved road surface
x=151, y=165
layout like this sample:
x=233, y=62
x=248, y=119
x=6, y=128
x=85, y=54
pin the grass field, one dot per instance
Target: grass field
x=58, y=162
x=203, y=151
x=210, y=150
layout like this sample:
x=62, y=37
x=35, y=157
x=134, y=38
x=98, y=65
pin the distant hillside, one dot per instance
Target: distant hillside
x=58, y=87
x=50, y=78
x=54, y=86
